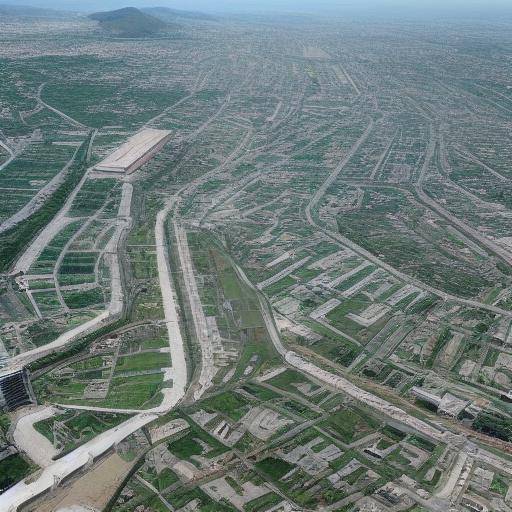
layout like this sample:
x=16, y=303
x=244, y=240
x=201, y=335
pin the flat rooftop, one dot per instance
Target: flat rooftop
x=136, y=151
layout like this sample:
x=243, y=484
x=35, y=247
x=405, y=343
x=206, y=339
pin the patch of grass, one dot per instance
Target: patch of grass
x=180, y=497
x=78, y=263
x=299, y=409
x=46, y=261
x=83, y=299
x=186, y=447
x=260, y=392
x=396, y=456
x=165, y=478
x=14, y=241
x=491, y=357
x=41, y=284
x=274, y=468
x=88, y=364
x=499, y=485
x=230, y=403
x=421, y=443
x=142, y=362
x=92, y=196
x=353, y=477
x=5, y=422
x=189, y=445
x=98, y=104
x=264, y=502
x=81, y=426
x=427, y=465
x=76, y=347
x=349, y=425
x=45, y=427
x=394, y=433
x=337, y=349
x=156, y=343
x=493, y=425
x=285, y=379
x=133, y=392
x=246, y=443
x=353, y=280
x=441, y=341
x=384, y=444
x=13, y=469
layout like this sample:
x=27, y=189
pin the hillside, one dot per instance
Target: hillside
x=129, y=22
x=168, y=15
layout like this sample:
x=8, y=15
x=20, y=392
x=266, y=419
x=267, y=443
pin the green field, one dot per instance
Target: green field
x=142, y=362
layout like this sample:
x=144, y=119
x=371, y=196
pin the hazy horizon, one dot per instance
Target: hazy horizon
x=462, y=8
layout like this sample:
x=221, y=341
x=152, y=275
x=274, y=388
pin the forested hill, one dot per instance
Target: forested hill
x=129, y=22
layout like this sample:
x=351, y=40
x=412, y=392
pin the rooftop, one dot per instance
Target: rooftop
x=134, y=152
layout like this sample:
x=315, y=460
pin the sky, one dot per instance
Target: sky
x=379, y=8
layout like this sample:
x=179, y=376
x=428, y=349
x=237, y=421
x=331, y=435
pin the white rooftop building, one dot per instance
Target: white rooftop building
x=135, y=152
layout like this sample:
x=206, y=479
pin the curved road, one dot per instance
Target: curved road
x=77, y=459
x=22, y=492
x=374, y=259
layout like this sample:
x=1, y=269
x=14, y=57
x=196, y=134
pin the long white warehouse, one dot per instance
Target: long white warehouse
x=135, y=152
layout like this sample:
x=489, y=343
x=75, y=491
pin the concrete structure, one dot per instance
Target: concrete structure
x=451, y=405
x=135, y=152
x=28, y=440
x=426, y=396
x=448, y=404
x=52, y=475
x=15, y=390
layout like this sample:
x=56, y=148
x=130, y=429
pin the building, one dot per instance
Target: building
x=15, y=390
x=135, y=152
x=448, y=404
x=426, y=396
x=452, y=406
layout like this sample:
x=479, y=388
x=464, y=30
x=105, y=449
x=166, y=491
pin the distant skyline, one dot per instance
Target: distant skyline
x=416, y=8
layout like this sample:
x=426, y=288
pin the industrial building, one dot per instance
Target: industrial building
x=135, y=152
x=15, y=390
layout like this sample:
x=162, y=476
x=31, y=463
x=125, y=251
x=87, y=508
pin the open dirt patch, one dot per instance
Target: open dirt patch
x=90, y=492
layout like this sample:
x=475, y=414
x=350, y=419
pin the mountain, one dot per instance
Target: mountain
x=129, y=22
x=169, y=15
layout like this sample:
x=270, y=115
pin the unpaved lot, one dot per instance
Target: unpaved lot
x=91, y=492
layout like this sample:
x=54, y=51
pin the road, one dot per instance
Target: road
x=40, y=198
x=208, y=370
x=336, y=381
x=333, y=176
x=176, y=344
x=77, y=459
x=11, y=155
x=345, y=242
x=51, y=475
x=177, y=350
x=64, y=116
x=115, y=306
x=30, y=441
